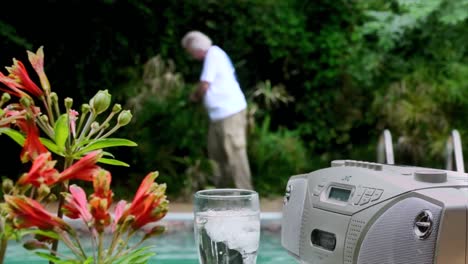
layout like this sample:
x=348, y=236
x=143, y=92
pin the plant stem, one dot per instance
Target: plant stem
x=3, y=243
x=115, y=240
x=63, y=188
x=111, y=131
x=100, y=247
x=83, y=132
x=100, y=128
x=48, y=104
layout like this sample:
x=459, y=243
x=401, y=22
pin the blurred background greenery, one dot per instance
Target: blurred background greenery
x=323, y=78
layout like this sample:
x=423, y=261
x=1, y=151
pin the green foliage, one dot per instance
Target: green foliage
x=417, y=55
x=274, y=157
x=343, y=62
x=171, y=131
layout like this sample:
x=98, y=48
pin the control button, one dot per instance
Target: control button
x=431, y=176
x=360, y=191
x=364, y=200
x=376, y=195
x=337, y=163
x=356, y=199
x=370, y=191
x=318, y=189
x=378, y=167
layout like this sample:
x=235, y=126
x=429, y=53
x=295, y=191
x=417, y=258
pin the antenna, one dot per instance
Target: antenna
x=385, y=148
x=454, y=148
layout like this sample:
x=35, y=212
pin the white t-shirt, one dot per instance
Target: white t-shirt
x=224, y=96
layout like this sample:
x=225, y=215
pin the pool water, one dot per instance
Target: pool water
x=177, y=245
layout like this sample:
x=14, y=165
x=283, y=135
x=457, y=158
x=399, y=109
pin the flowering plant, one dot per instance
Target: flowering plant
x=31, y=115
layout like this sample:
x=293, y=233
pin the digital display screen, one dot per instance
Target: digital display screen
x=339, y=194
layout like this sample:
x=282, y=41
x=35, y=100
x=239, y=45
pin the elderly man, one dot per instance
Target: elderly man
x=226, y=106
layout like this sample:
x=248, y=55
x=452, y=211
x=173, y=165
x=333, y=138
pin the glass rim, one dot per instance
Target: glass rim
x=219, y=193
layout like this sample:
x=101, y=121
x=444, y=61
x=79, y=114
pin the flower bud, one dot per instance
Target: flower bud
x=43, y=190
x=52, y=198
x=7, y=185
x=33, y=244
x=100, y=102
x=124, y=118
x=116, y=108
x=68, y=103
x=155, y=231
x=95, y=126
x=25, y=101
x=54, y=97
x=45, y=118
x=6, y=97
x=85, y=108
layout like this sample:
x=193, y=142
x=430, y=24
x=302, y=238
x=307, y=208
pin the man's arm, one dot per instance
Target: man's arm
x=200, y=91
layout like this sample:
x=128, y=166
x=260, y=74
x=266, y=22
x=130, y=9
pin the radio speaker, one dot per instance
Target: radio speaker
x=405, y=233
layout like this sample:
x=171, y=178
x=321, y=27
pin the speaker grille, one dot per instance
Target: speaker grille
x=354, y=230
x=392, y=239
x=305, y=236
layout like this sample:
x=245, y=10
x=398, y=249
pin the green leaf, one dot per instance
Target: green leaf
x=48, y=256
x=13, y=134
x=113, y=162
x=57, y=260
x=106, y=143
x=50, y=234
x=139, y=256
x=50, y=145
x=108, y=154
x=61, y=130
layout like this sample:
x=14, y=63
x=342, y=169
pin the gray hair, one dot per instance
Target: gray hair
x=196, y=40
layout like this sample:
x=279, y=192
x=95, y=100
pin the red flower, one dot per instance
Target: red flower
x=14, y=88
x=149, y=204
x=32, y=145
x=84, y=169
x=26, y=212
x=101, y=200
x=21, y=76
x=42, y=171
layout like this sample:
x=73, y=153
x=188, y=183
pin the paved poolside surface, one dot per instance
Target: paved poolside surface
x=266, y=205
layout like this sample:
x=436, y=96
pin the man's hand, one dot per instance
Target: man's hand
x=193, y=97
x=198, y=94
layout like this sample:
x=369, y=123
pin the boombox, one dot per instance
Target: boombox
x=357, y=212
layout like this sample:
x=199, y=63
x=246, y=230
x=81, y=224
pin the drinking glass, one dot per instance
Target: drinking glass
x=227, y=226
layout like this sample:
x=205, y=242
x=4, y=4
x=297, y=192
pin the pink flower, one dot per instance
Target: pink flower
x=118, y=212
x=73, y=116
x=37, y=62
x=76, y=204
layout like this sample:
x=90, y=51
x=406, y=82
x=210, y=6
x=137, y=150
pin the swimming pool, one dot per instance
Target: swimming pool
x=177, y=245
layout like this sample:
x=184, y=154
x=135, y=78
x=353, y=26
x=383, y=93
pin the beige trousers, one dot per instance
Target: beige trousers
x=227, y=146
